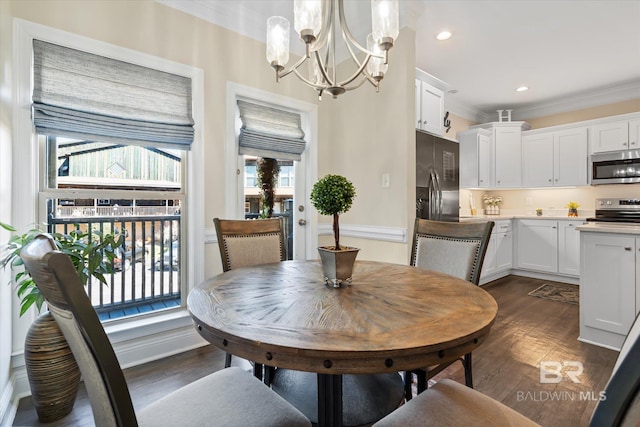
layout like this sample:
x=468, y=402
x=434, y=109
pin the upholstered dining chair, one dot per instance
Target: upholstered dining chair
x=455, y=248
x=449, y=403
x=245, y=243
x=226, y=397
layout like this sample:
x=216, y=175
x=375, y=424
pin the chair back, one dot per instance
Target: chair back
x=56, y=278
x=455, y=248
x=244, y=243
x=621, y=404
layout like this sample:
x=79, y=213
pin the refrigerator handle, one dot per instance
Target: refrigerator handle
x=439, y=195
x=432, y=196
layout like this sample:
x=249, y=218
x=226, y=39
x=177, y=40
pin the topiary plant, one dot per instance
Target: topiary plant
x=333, y=195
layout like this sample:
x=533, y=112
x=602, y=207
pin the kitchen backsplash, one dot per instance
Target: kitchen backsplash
x=552, y=201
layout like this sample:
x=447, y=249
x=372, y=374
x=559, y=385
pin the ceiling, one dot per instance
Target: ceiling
x=571, y=54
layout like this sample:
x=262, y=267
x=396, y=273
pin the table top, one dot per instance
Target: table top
x=391, y=318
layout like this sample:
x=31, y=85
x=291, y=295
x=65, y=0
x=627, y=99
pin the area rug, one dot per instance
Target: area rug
x=555, y=292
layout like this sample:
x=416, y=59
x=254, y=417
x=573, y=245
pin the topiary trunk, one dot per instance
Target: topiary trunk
x=268, y=171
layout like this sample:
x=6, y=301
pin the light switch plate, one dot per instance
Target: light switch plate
x=386, y=180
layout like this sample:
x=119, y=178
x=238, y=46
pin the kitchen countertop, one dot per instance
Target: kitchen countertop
x=508, y=217
x=610, y=228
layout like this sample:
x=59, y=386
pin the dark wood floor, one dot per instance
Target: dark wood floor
x=528, y=330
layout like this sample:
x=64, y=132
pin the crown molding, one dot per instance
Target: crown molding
x=594, y=98
x=466, y=111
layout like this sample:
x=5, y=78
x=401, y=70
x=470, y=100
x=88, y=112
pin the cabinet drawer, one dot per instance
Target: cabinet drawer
x=501, y=227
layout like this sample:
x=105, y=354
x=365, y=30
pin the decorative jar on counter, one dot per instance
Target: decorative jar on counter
x=492, y=210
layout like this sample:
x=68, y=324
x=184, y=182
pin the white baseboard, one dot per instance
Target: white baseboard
x=148, y=349
x=546, y=276
x=8, y=404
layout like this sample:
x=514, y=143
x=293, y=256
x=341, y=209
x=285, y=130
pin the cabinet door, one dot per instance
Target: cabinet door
x=431, y=108
x=537, y=160
x=612, y=136
x=504, y=251
x=489, y=265
x=571, y=157
x=508, y=156
x=537, y=245
x=607, y=282
x=634, y=133
x=637, y=273
x=417, y=101
x=485, y=162
x=569, y=248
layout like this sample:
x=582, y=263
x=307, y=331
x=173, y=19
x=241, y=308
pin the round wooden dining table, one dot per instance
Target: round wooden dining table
x=391, y=318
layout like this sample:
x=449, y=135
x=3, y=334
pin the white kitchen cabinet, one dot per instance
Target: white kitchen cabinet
x=608, y=287
x=537, y=245
x=615, y=136
x=498, y=259
x=429, y=107
x=537, y=160
x=476, y=158
x=569, y=247
x=570, y=156
x=555, y=158
x=508, y=156
x=634, y=134
x=549, y=246
x=493, y=159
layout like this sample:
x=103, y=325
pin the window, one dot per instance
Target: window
x=130, y=189
x=286, y=174
x=251, y=179
x=122, y=182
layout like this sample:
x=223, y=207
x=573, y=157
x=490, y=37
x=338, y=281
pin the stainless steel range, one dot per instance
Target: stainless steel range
x=617, y=210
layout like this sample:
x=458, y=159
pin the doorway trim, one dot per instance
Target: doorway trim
x=234, y=205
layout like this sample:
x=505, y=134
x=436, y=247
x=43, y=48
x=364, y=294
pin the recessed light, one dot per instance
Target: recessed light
x=444, y=35
x=522, y=88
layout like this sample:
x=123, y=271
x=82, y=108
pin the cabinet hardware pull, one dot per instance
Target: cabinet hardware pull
x=627, y=248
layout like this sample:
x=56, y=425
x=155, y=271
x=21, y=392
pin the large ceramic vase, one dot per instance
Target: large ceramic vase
x=337, y=265
x=53, y=373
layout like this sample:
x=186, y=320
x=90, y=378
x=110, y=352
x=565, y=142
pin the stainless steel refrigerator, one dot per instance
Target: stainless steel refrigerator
x=437, y=178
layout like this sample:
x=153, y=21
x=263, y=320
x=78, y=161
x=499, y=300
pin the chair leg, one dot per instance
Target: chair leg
x=408, y=379
x=268, y=374
x=421, y=375
x=227, y=360
x=468, y=375
x=258, y=371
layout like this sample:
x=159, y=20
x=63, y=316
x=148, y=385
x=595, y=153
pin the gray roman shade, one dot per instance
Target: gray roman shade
x=270, y=132
x=91, y=97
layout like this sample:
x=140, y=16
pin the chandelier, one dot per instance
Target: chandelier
x=315, y=23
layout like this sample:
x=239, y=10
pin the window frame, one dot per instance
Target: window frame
x=30, y=158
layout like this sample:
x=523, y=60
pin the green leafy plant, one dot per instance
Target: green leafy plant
x=92, y=253
x=333, y=195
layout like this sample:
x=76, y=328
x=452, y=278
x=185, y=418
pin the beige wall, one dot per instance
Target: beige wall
x=367, y=134
x=630, y=106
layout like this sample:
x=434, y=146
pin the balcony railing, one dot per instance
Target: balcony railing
x=147, y=268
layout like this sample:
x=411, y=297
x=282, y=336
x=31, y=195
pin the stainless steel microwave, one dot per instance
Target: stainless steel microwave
x=619, y=167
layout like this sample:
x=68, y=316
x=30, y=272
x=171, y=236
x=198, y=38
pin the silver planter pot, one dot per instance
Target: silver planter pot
x=337, y=266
